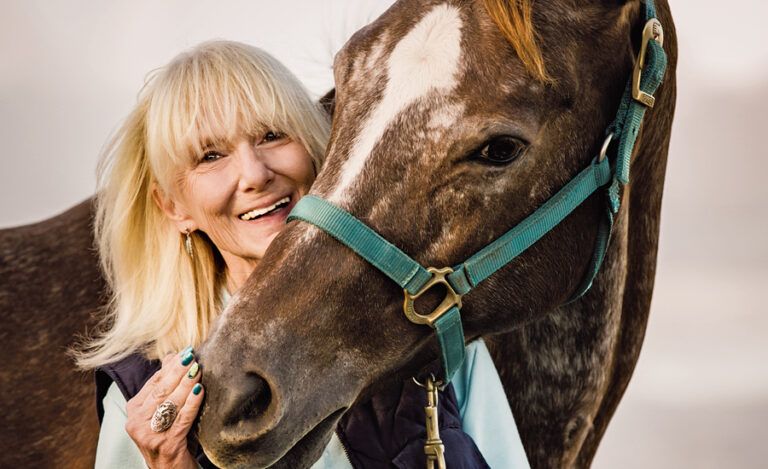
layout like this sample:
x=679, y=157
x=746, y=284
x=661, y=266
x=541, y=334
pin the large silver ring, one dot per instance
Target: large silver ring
x=163, y=417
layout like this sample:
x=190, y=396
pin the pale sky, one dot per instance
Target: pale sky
x=70, y=71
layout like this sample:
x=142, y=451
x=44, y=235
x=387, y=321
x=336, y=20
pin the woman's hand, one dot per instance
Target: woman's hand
x=176, y=381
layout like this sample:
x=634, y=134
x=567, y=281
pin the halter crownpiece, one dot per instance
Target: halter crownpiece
x=461, y=279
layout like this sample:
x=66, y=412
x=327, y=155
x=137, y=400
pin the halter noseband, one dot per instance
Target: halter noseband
x=459, y=280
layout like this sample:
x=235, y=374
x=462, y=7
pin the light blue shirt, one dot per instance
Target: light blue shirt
x=485, y=416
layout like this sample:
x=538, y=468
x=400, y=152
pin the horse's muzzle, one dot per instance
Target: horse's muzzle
x=238, y=412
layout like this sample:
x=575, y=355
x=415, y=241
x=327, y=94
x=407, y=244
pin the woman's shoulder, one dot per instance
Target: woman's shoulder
x=477, y=347
x=485, y=411
x=476, y=370
x=477, y=359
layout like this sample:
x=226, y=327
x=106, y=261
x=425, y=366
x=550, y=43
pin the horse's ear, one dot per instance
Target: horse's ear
x=328, y=101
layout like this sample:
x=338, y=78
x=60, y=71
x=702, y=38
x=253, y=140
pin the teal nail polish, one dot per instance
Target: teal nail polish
x=187, y=359
x=186, y=351
x=197, y=388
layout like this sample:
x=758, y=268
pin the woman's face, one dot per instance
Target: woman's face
x=241, y=196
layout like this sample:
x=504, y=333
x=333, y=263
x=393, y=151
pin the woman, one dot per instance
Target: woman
x=199, y=180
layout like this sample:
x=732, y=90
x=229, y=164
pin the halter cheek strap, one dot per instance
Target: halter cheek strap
x=461, y=279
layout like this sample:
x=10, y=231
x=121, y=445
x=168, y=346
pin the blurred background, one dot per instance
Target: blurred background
x=70, y=71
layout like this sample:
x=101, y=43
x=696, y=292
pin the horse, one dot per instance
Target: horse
x=52, y=292
x=453, y=121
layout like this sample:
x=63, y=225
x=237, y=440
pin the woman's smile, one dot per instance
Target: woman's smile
x=271, y=217
x=257, y=213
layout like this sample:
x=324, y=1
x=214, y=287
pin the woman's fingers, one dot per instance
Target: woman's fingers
x=188, y=412
x=190, y=377
x=176, y=381
x=173, y=370
x=185, y=384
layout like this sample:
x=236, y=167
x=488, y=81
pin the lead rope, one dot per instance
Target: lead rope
x=433, y=446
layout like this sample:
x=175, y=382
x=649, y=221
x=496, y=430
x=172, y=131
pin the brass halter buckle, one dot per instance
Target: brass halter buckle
x=451, y=298
x=652, y=30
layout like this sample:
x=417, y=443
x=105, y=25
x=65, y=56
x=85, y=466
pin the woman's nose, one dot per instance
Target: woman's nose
x=255, y=174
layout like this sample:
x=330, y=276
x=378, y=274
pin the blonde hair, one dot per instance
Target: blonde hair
x=161, y=299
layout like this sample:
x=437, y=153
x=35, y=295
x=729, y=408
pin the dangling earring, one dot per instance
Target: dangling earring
x=188, y=243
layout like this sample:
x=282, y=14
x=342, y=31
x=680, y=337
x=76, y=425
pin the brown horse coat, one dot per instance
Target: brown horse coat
x=50, y=292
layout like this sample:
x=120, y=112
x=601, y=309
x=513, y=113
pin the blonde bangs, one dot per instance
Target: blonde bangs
x=222, y=91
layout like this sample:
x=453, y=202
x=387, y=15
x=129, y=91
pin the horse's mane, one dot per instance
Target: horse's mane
x=513, y=18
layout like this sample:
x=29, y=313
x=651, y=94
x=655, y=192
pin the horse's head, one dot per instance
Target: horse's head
x=454, y=120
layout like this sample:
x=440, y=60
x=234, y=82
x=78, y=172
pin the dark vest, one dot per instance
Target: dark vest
x=386, y=432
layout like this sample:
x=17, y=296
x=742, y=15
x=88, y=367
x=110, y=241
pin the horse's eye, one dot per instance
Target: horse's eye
x=501, y=150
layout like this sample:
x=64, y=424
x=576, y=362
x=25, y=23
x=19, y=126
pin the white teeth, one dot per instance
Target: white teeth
x=261, y=211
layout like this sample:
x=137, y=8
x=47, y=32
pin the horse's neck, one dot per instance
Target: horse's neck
x=565, y=373
x=557, y=369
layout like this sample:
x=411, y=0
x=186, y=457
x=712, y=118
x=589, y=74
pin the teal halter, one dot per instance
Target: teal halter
x=461, y=279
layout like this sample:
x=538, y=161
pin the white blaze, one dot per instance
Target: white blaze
x=425, y=60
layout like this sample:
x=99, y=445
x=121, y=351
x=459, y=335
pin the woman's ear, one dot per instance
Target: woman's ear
x=173, y=211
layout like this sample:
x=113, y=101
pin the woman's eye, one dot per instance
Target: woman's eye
x=501, y=150
x=210, y=156
x=272, y=136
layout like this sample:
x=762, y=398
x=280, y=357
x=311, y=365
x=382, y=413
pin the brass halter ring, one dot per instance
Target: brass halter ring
x=451, y=298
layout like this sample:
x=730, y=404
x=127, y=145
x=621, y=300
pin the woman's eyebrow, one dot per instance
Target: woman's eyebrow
x=213, y=144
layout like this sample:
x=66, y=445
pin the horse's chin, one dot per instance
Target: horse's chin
x=308, y=450
x=301, y=455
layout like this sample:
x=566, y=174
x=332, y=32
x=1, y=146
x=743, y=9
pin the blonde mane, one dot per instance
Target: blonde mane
x=514, y=20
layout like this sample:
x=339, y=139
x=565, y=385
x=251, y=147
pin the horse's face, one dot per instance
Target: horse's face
x=442, y=141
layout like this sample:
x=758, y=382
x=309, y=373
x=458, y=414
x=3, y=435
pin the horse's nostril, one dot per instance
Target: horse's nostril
x=255, y=397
